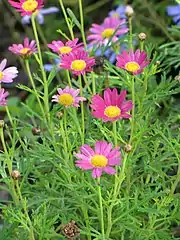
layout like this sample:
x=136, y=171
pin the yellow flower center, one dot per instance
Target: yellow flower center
x=132, y=66
x=25, y=51
x=116, y=15
x=108, y=32
x=99, y=161
x=1, y=75
x=65, y=50
x=112, y=111
x=66, y=99
x=30, y=5
x=78, y=65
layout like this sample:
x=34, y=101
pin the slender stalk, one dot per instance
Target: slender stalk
x=82, y=109
x=82, y=23
x=115, y=133
x=101, y=209
x=66, y=19
x=141, y=45
x=46, y=94
x=132, y=119
x=130, y=33
x=93, y=83
x=68, y=77
x=87, y=84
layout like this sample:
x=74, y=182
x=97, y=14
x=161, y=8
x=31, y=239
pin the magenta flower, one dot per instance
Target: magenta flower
x=7, y=75
x=101, y=34
x=61, y=48
x=24, y=50
x=100, y=160
x=132, y=62
x=78, y=62
x=112, y=107
x=27, y=7
x=68, y=97
x=3, y=95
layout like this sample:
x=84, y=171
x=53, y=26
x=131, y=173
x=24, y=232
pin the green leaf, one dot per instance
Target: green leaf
x=73, y=17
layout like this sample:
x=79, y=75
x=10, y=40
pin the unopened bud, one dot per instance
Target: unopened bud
x=158, y=62
x=1, y=123
x=129, y=11
x=59, y=115
x=16, y=174
x=128, y=148
x=36, y=131
x=142, y=36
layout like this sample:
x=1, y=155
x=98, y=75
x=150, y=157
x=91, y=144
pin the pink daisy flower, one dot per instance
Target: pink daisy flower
x=112, y=107
x=3, y=95
x=132, y=62
x=68, y=97
x=101, y=159
x=7, y=75
x=61, y=48
x=78, y=62
x=24, y=50
x=102, y=33
x=27, y=7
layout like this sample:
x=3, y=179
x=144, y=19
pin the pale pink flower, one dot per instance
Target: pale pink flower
x=61, y=48
x=132, y=62
x=78, y=62
x=111, y=28
x=7, y=75
x=24, y=50
x=112, y=107
x=3, y=95
x=101, y=159
x=27, y=7
x=68, y=97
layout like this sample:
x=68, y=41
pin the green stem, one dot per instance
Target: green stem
x=93, y=83
x=115, y=133
x=34, y=87
x=130, y=33
x=66, y=19
x=132, y=119
x=141, y=45
x=46, y=93
x=101, y=209
x=82, y=109
x=68, y=77
x=82, y=23
x=87, y=84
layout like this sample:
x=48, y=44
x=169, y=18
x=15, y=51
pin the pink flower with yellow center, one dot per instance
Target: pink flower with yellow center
x=3, y=95
x=78, y=62
x=24, y=50
x=27, y=7
x=112, y=107
x=101, y=159
x=7, y=75
x=68, y=97
x=111, y=28
x=132, y=62
x=61, y=48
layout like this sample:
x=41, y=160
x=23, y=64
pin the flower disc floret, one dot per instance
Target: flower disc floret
x=30, y=5
x=132, y=66
x=107, y=33
x=112, y=111
x=66, y=99
x=78, y=65
x=65, y=50
x=99, y=161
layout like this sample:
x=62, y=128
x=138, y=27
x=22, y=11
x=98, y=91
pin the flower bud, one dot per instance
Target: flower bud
x=129, y=11
x=36, y=131
x=128, y=148
x=142, y=36
x=16, y=174
x=59, y=115
x=1, y=123
x=70, y=230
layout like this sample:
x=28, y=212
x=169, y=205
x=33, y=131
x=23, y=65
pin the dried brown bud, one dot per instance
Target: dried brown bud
x=59, y=115
x=128, y=148
x=1, y=123
x=70, y=230
x=142, y=36
x=15, y=174
x=36, y=131
x=129, y=11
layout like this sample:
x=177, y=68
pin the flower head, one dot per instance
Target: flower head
x=3, y=95
x=132, y=62
x=24, y=50
x=111, y=28
x=68, y=97
x=119, y=12
x=101, y=159
x=112, y=106
x=61, y=48
x=174, y=11
x=27, y=7
x=78, y=62
x=7, y=75
x=40, y=15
